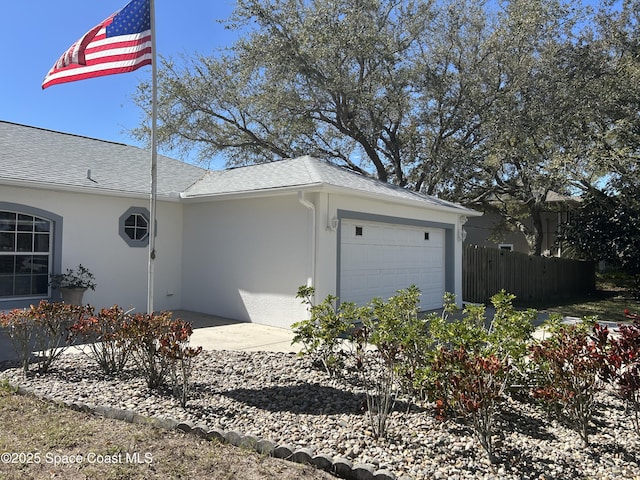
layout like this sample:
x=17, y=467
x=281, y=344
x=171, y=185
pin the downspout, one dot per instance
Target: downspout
x=311, y=280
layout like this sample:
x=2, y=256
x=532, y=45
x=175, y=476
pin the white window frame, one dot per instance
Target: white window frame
x=31, y=271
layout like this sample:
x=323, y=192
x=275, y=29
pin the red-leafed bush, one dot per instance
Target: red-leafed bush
x=175, y=346
x=623, y=365
x=43, y=329
x=570, y=368
x=144, y=331
x=476, y=383
x=160, y=347
x=104, y=338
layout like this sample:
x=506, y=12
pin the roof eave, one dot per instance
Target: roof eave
x=86, y=190
x=329, y=188
x=265, y=192
x=459, y=210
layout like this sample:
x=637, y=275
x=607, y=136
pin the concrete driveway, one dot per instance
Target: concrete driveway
x=217, y=333
x=212, y=333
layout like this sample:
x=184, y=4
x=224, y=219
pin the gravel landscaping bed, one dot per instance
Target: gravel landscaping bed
x=282, y=398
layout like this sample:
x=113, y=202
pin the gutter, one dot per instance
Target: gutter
x=332, y=189
x=311, y=280
x=172, y=196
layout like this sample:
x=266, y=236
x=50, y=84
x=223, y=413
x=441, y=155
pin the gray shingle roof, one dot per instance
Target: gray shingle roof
x=53, y=159
x=302, y=172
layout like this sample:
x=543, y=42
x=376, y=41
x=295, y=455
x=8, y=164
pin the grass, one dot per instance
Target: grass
x=86, y=446
x=614, y=294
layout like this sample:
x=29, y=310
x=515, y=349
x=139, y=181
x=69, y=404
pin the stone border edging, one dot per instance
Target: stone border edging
x=338, y=466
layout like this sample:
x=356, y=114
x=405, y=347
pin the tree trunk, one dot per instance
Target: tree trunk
x=538, y=232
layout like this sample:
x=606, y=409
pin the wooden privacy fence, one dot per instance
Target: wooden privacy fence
x=486, y=271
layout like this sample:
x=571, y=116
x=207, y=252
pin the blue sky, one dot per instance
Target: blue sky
x=34, y=33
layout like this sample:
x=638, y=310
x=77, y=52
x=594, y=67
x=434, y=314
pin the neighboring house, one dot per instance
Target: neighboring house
x=489, y=230
x=236, y=243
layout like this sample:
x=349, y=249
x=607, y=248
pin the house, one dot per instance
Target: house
x=236, y=243
x=489, y=229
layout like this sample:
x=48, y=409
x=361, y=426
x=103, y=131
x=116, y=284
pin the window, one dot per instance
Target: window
x=359, y=231
x=426, y=235
x=25, y=255
x=506, y=246
x=134, y=227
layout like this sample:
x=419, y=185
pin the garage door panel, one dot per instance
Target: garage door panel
x=386, y=258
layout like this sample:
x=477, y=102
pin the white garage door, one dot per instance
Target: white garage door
x=378, y=259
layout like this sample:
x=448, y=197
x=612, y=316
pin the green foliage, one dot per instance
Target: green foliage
x=607, y=226
x=6, y=387
x=322, y=334
x=467, y=330
x=79, y=277
x=505, y=335
x=509, y=335
x=400, y=83
x=409, y=335
x=470, y=364
x=463, y=363
x=384, y=338
x=497, y=104
x=398, y=335
x=396, y=330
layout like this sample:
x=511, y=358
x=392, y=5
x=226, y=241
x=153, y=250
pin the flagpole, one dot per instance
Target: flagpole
x=154, y=161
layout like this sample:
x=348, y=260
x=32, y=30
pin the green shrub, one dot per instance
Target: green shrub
x=329, y=324
x=461, y=363
x=396, y=332
x=383, y=338
x=470, y=363
x=393, y=328
x=509, y=335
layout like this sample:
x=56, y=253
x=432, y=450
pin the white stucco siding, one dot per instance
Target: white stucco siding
x=245, y=259
x=90, y=237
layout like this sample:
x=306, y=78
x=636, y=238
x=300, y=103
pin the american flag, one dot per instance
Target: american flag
x=120, y=44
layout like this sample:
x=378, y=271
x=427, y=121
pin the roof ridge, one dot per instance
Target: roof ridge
x=65, y=133
x=310, y=165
